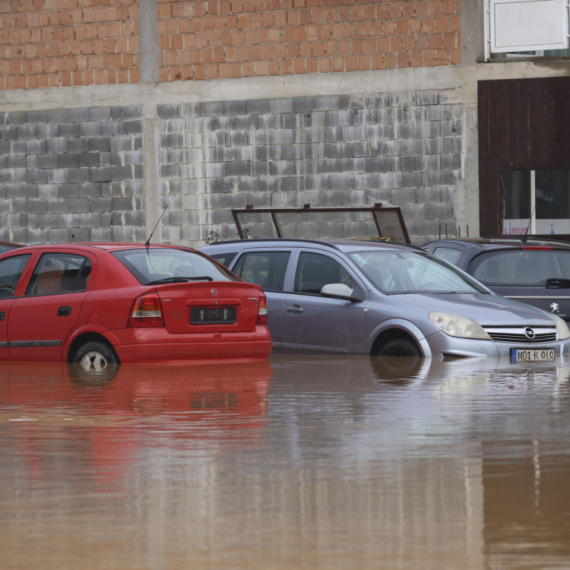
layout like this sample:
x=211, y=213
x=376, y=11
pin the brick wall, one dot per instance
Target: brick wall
x=60, y=43
x=71, y=175
x=402, y=148
x=210, y=39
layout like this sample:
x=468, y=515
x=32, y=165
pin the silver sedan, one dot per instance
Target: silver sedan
x=385, y=299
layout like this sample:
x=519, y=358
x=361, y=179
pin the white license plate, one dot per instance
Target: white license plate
x=531, y=354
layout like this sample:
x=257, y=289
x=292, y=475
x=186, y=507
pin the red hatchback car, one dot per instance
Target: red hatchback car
x=101, y=304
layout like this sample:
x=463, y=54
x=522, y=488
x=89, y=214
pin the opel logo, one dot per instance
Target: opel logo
x=215, y=294
x=529, y=333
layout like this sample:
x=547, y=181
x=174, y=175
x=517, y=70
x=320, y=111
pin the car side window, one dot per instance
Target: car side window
x=59, y=273
x=11, y=270
x=265, y=268
x=315, y=271
x=448, y=254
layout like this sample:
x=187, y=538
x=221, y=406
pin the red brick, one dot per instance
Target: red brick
x=409, y=43
x=350, y=63
x=199, y=72
x=124, y=76
x=435, y=7
x=273, y=68
x=395, y=10
x=324, y=65
x=286, y=67
x=250, y=37
x=235, y=70
x=281, y=51
x=442, y=24
x=402, y=27
x=435, y=41
x=312, y=65
x=22, y=82
x=390, y=61
x=403, y=60
x=260, y=68
x=396, y=44
x=428, y=25
x=299, y=66
x=223, y=71
x=249, y=5
x=338, y=63
x=448, y=7
x=293, y=50
x=442, y=57
x=429, y=58
x=390, y=28
x=268, y=51
x=33, y=82
x=455, y=57
x=364, y=62
x=248, y=69
x=318, y=49
x=212, y=71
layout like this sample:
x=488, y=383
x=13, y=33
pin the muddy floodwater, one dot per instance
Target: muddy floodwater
x=290, y=464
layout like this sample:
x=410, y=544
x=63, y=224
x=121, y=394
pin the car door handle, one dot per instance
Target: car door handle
x=2, y=315
x=64, y=311
x=294, y=309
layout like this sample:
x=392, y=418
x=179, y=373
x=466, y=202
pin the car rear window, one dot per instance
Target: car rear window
x=150, y=265
x=520, y=267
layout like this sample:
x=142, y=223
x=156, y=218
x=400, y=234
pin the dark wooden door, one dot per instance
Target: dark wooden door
x=524, y=124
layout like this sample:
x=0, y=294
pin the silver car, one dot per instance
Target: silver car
x=385, y=299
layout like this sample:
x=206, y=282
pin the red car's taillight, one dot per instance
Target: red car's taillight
x=146, y=312
x=262, y=310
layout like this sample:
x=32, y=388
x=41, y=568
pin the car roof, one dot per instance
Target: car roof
x=106, y=246
x=344, y=245
x=504, y=242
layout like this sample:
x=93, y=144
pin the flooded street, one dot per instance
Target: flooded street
x=296, y=463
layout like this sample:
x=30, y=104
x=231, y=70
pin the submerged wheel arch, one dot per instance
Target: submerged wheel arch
x=393, y=334
x=84, y=339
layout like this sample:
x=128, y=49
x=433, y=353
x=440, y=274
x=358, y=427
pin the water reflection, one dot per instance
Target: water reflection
x=307, y=462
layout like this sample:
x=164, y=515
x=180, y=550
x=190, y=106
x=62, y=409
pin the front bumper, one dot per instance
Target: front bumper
x=157, y=345
x=440, y=344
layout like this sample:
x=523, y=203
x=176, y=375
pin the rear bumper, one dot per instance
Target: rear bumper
x=157, y=345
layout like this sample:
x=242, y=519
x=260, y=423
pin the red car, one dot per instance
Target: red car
x=107, y=303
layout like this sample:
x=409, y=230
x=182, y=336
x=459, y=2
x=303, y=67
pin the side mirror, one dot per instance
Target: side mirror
x=341, y=291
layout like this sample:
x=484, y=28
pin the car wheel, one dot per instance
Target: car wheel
x=399, y=347
x=95, y=357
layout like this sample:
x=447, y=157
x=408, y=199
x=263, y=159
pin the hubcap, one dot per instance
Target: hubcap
x=94, y=361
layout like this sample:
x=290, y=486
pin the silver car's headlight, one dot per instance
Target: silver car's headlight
x=562, y=330
x=462, y=327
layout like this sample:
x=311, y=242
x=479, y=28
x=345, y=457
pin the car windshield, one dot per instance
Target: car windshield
x=156, y=265
x=521, y=267
x=399, y=272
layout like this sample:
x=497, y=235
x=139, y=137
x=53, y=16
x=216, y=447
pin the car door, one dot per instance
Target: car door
x=267, y=268
x=11, y=270
x=312, y=323
x=42, y=318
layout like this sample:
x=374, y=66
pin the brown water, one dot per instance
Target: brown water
x=298, y=463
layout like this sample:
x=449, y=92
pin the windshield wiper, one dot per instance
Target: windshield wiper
x=180, y=280
x=556, y=283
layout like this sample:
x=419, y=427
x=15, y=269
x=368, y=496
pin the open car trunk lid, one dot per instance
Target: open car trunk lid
x=209, y=306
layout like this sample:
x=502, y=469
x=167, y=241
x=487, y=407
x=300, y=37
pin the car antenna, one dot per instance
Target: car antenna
x=525, y=237
x=147, y=242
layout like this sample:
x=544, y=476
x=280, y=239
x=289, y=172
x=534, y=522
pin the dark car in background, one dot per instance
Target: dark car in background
x=8, y=246
x=535, y=271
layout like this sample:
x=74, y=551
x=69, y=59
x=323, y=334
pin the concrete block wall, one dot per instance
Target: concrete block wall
x=396, y=148
x=71, y=175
